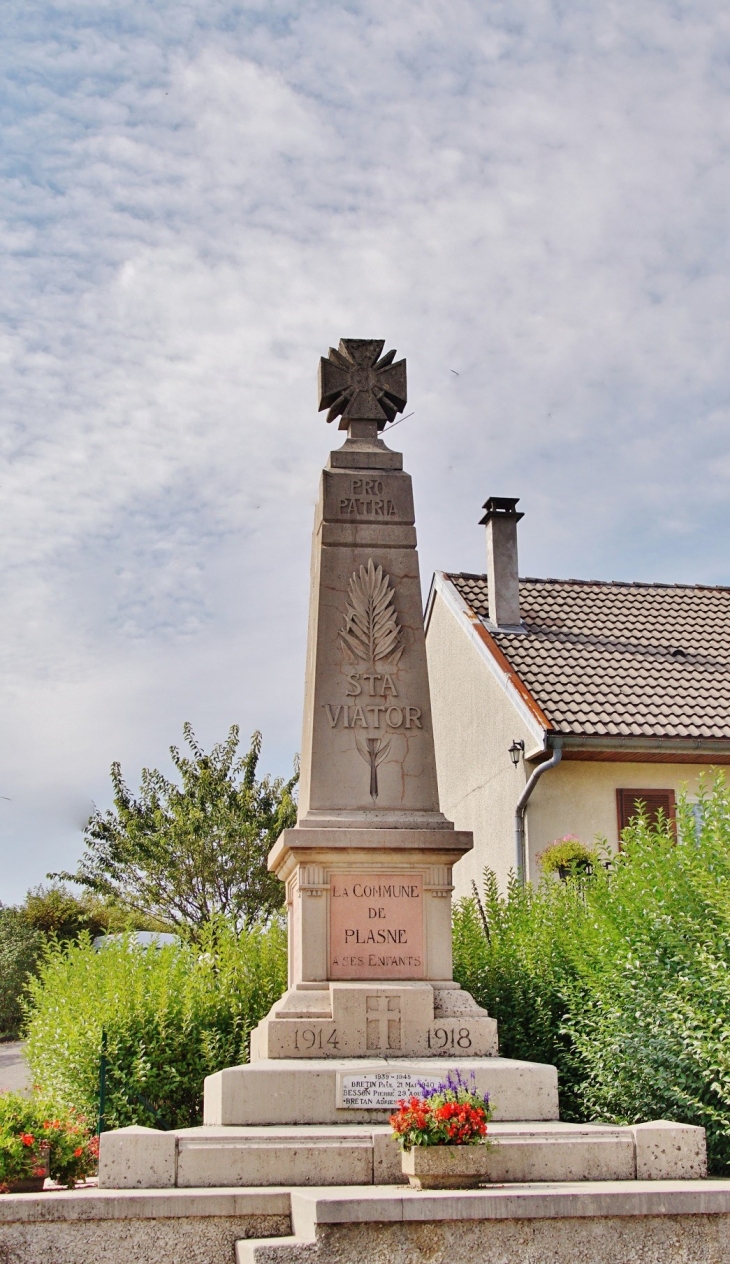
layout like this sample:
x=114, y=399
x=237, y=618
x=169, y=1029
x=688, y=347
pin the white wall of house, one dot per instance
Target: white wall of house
x=475, y=721
x=579, y=798
x=474, y=724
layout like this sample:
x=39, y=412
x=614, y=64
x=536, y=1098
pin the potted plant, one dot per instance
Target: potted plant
x=38, y=1140
x=443, y=1134
x=569, y=858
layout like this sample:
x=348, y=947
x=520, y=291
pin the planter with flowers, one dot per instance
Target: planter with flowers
x=568, y=857
x=38, y=1140
x=443, y=1135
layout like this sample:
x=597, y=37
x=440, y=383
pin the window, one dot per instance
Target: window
x=655, y=801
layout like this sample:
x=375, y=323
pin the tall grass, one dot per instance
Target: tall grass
x=171, y=1015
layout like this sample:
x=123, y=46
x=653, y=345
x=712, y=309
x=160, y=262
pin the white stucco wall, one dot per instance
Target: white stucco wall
x=474, y=725
x=580, y=798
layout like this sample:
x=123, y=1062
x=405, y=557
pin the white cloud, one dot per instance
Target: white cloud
x=197, y=200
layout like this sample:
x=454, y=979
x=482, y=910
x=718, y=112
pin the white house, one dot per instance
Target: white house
x=557, y=704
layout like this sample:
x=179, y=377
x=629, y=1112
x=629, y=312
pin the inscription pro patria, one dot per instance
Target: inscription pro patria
x=376, y=926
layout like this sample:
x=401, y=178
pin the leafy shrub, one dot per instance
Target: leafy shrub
x=171, y=1015
x=20, y=947
x=649, y=1010
x=621, y=978
x=514, y=953
x=32, y=1131
x=24, y=930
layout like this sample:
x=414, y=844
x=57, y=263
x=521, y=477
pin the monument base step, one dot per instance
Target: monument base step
x=249, y=1157
x=366, y=1090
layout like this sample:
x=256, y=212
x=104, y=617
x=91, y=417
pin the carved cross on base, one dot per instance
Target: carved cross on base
x=383, y=1016
x=355, y=384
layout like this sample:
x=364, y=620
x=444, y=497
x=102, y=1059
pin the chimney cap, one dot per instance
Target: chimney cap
x=500, y=507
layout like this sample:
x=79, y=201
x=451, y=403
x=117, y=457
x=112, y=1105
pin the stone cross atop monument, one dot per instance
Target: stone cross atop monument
x=356, y=383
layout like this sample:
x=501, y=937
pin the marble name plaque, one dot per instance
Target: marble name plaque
x=380, y=1090
x=376, y=926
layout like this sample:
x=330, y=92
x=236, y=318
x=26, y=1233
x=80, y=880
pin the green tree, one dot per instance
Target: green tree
x=21, y=946
x=189, y=853
x=59, y=913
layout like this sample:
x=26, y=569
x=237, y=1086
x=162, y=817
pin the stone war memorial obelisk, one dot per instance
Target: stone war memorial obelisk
x=371, y=1009
x=368, y=866
x=372, y=1012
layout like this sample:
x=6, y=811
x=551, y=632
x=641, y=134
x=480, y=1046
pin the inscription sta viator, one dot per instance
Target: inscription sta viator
x=349, y=717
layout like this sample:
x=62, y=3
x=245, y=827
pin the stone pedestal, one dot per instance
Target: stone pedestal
x=282, y=1091
x=359, y=1020
x=368, y=903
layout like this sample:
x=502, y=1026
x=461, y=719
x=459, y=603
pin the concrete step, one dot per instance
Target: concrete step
x=358, y=1155
x=289, y=1250
x=577, y=1223
x=317, y=1091
x=276, y=1156
x=607, y=1222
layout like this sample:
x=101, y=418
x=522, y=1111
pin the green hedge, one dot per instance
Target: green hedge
x=514, y=953
x=171, y=1015
x=622, y=978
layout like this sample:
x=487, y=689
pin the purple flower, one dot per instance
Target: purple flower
x=454, y=1083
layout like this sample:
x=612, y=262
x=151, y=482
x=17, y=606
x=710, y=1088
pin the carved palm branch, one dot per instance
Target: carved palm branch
x=372, y=633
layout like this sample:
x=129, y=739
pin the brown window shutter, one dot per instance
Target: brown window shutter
x=654, y=801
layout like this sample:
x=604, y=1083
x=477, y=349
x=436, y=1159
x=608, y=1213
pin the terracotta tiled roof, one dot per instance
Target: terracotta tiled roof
x=615, y=659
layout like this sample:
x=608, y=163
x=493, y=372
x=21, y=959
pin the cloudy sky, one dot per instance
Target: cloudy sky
x=529, y=200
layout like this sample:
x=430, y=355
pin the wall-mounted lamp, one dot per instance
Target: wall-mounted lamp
x=516, y=751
